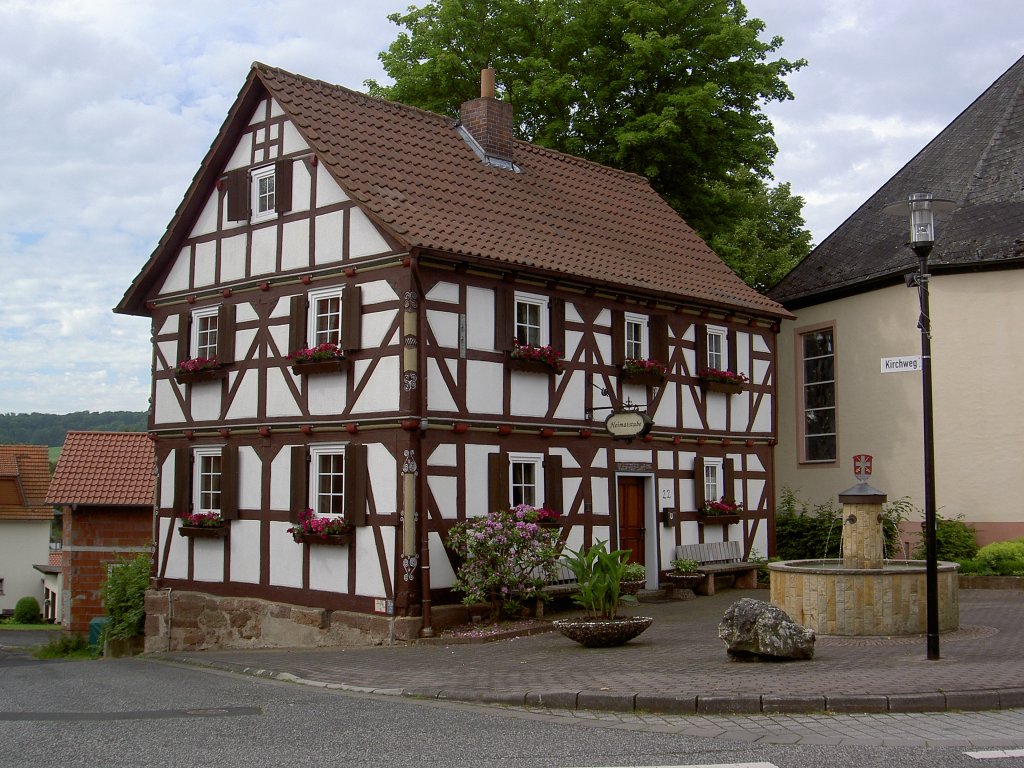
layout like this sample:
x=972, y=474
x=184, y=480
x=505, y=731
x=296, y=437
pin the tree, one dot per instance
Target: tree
x=669, y=89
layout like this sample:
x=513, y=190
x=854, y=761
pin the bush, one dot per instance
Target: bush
x=124, y=596
x=67, y=645
x=954, y=540
x=26, y=611
x=1004, y=558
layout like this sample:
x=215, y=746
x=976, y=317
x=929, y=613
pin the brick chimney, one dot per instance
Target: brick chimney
x=488, y=120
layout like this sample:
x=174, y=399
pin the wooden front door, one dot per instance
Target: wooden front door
x=631, y=517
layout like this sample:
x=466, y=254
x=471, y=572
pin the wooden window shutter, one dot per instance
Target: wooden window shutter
x=730, y=343
x=182, y=481
x=657, y=335
x=283, y=186
x=297, y=324
x=698, y=482
x=299, y=493
x=355, y=484
x=497, y=482
x=618, y=337
x=184, y=336
x=229, y=482
x=729, y=480
x=553, y=482
x=556, y=313
x=237, y=187
x=226, y=335
x=351, y=318
x=504, y=317
x=700, y=340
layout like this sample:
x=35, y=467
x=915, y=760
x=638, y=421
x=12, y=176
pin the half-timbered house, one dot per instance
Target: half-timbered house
x=424, y=248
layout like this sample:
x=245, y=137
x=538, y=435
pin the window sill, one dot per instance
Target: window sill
x=721, y=386
x=530, y=366
x=333, y=539
x=208, y=374
x=320, y=366
x=647, y=379
x=718, y=519
x=203, y=532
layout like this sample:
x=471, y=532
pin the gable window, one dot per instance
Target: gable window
x=526, y=479
x=818, y=390
x=264, y=193
x=531, y=326
x=207, y=481
x=327, y=479
x=260, y=193
x=636, y=337
x=716, y=348
x=204, y=332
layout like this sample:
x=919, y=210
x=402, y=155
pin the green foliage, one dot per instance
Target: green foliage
x=26, y=611
x=634, y=572
x=954, y=540
x=599, y=574
x=1003, y=558
x=51, y=428
x=124, y=596
x=73, y=646
x=667, y=89
x=683, y=565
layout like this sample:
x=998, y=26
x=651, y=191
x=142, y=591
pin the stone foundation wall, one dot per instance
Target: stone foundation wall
x=189, y=621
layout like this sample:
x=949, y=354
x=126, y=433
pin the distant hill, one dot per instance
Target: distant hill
x=51, y=428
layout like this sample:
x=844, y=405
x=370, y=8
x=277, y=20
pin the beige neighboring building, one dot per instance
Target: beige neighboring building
x=853, y=309
x=25, y=520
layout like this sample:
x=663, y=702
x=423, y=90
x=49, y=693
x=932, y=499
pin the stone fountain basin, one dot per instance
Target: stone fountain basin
x=864, y=602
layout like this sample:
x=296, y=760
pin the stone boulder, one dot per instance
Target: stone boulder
x=754, y=630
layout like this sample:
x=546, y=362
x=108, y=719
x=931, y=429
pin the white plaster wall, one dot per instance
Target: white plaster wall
x=479, y=318
x=250, y=470
x=280, y=401
x=206, y=222
x=280, y=475
x=326, y=392
x=205, y=264
x=329, y=238
x=383, y=477
x=476, y=479
x=571, y=405
x=232, y=257
x=377, y=327
x=166, y=407
x=327, y=190
x=716, y=403
x=444, y=490
x=243, y=152
x=687, y=498
x=443, y=455
x=245, y=551
x=382, y=391
x=445, y=326
x=292, y=139
x=447, y=292
x=364, y=239
x=295, y=245
x=177, y=556
x=205, y=400
x=169, y=350
x=166, y=486
x=441, y=573
x=739, y=409
x=369, y=579
x=378, y=291
x=177, y=276
x=328, y=568
x=599, y=495
x=529, y=394
x=301, y=187
x=207, y=559
x=23, y=543
x=485, y=385
x=439, y=397
x=264, y=250
x=285, y=557
x=666, y=414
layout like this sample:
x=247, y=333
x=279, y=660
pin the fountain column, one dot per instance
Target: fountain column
x=863, y=541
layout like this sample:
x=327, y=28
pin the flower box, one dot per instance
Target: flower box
x=645, y=378
x=728, y=387
x=723, y=519
x=529, y=366
x=203, y=531
x=330, y=539
x=304, y=368
x=206, y=374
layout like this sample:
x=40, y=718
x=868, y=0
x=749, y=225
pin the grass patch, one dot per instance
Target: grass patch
x=67, y=646
x=4, y=625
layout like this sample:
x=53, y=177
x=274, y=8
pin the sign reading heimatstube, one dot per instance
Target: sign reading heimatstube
x=625, y=425
x=908, y=364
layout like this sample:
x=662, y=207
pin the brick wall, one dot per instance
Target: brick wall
x=490, y=123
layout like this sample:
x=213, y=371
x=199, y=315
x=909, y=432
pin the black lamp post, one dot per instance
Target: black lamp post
x=922, y=237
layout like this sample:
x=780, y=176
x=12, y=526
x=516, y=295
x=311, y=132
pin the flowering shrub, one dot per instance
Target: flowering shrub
x=506, y=559
x=635, y=366
x=547, y=355
x=721, y=507
x=311, y=525
x=196, y=364
x=318, y=354
x=727, y=377
x=535, y=514
x=203, y=520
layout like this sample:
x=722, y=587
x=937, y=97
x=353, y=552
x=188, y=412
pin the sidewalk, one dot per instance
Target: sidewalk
x=679, y=666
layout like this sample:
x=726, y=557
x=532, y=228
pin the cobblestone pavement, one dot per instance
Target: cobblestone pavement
x=866, y=690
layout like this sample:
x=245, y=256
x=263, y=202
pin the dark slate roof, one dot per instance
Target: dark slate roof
x=414, y=175
x=977, y=162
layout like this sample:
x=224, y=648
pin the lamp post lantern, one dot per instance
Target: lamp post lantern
x=922, y=209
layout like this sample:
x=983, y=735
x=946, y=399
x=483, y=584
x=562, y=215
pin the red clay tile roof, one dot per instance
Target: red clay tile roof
x=105, y=469
x=412, y=172
x=24, y=476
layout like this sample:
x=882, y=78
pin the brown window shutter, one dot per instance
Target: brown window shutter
x=229, y=482
x=351, y=318
x=657, y=335
x=182, y=481
x=497, y=482
x=297, y=324
x=184, y=336
x=504, y=317
x=283, y=186
x=355, y=484
x=700, y=340
x=618, y=337
x=238, y=194
x=556, y=312
x=729, y=480
x=730, y=343
x=553, y=482
x=698, y=482
x=226, y=335
x=299, y=494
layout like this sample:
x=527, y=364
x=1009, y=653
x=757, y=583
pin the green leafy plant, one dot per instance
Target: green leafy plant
x=26, y=611
x=1003, y=558
x=67, y=646
x=598, y=573
x=634, y=572
x=683, y=565
x=124, y=596
x=954, y=540
x=506, y=559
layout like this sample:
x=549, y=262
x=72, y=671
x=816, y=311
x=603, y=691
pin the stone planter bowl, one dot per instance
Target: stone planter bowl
x=603, y=633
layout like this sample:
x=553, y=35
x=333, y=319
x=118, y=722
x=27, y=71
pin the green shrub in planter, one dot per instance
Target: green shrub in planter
x=634, y=572
x=26, y=611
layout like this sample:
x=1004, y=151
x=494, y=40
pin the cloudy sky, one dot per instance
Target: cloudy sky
x=109, y=106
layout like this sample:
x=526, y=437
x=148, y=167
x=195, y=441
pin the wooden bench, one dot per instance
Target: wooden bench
x=563, y=582
x=719, y=558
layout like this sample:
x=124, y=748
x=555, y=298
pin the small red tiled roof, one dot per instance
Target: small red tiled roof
x=414, y=175
x=24, y=477
x=104, y=469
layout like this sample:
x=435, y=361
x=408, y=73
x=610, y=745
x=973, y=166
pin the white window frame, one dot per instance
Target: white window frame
x=541, y=303
x=316, y=453
x=636, y=348
x=199, y=491
x=200, y=346
x=718, y=357
x=261, y=211
x=804, y=385
x=524, y=460
x=714, y=479
x=315, y=336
